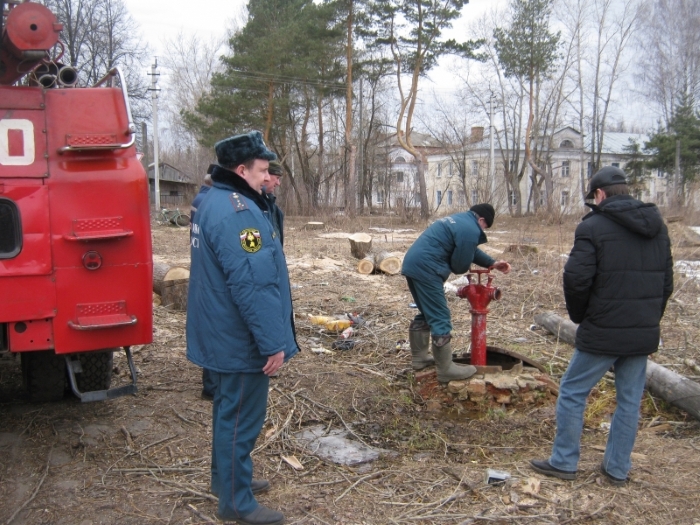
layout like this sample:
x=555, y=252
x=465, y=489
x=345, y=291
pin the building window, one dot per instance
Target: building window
x=10, y=230
x=416, y=197
x=565, y=168
x=566, y=144
x=512, y=197
x=439, y=170
x=564, y=198
x=660, y=174
x=449, y=197
x=513, y=166
x=449, y=169
x=660, y=198
x=399, y=160
x=475, y=196
x=543, y=197
x=399, y=176
x=439, y=197
x=589, y=173
x=462, y=198
x=475, y=168
x=615, y=164
x=380, y=196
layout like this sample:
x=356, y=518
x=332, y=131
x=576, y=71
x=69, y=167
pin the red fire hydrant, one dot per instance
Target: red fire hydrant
x=479, y=296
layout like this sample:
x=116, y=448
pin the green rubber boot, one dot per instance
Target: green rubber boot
x=447, y=370
x=419, y=340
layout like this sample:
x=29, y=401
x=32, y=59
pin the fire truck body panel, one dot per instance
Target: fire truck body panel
x=75, y=241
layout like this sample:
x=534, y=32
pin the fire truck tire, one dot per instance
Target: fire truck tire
x=44, y=375
x=97, y=371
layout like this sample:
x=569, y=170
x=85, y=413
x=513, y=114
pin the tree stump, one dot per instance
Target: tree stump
x=667, y=384
x=360, y=245
x=171, y=283
x=314, y=225
x=366, y=265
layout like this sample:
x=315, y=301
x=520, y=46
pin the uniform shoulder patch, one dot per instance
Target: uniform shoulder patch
x=238, y=202
x=251, y=241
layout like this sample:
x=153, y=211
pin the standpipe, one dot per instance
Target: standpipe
x=479, y=296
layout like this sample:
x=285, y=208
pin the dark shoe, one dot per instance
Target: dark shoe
x=259, y=485
x=613, y=480
x=260, y=516
x=207, y=396
x=542, y=466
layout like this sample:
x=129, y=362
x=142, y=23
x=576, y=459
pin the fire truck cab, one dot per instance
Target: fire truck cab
x=75, y=242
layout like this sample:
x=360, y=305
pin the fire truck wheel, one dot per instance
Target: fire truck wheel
x=97, y=371
x=44, y=375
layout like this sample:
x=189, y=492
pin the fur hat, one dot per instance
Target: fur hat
x=275, y=168
x=485, y=211
x=239, y=149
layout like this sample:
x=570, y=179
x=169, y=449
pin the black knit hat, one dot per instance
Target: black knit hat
x=607, y=176
x=486, y=211
x=239, y=149
x=275, y=168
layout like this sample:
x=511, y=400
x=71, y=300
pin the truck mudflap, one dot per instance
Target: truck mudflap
x=74, y=366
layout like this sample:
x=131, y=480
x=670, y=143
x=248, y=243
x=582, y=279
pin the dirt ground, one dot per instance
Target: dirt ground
x=144, y=459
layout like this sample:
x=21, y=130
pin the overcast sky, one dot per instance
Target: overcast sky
x=160, y=20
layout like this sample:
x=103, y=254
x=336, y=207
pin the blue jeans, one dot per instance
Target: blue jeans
x=583, y=373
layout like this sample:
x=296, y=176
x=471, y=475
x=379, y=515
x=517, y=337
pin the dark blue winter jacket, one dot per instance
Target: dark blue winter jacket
x=449, y=245
x=239, y=307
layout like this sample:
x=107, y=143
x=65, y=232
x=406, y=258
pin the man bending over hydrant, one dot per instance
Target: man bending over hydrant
x=449, y=245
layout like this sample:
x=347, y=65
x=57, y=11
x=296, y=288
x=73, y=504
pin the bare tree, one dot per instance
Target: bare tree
x=669, y=58
x=99, y=35
x=189, y=63
x=613, y=26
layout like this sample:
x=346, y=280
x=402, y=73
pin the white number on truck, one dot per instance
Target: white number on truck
x=16, y=142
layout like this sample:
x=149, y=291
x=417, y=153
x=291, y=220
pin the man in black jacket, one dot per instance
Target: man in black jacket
x=617, y=281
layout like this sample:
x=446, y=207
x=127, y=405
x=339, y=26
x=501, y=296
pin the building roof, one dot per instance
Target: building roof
x=616, y=143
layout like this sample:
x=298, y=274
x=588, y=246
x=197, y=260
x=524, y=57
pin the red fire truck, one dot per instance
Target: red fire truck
x=75, y=242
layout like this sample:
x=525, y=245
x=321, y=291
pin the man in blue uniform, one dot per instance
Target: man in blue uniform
x=207, y=382
x=449, y=245
x=239, y=313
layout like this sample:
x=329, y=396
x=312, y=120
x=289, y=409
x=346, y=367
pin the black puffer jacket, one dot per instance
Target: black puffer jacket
x=619, y=277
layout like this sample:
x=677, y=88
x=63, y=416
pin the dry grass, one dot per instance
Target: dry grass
x=145, y=460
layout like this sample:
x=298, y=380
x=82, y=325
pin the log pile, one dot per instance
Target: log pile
x=381, y=261
x=673, y=388
x=372, y=261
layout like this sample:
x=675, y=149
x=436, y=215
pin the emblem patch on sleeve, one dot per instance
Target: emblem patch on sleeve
x=251, y=240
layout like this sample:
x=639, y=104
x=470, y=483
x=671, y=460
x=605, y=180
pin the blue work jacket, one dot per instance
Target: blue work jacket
x=239, y=306
x=449, y=245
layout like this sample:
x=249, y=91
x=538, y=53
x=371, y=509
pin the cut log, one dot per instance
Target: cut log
x=163, y=272
x=314, y=225
x=387, y=263
x=673, y=388
x=360, y=245
x=171, y=283
x=174, y=294
x=366, y=265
